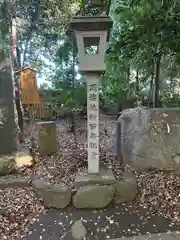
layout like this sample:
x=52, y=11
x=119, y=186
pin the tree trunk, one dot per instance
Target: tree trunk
x=137, y=82
x=150, y=97
x=16, y=65
x=157, y=74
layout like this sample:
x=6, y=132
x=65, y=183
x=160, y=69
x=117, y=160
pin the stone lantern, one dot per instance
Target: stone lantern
x=91, y=35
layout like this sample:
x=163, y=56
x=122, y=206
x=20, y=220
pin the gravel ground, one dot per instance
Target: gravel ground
x=157, y=208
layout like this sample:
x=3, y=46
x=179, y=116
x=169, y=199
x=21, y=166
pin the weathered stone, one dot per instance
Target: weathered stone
x=176, y=160
x=24, y=159
x=7, y=165
x=47, y=138
x=13, y=182
x=104, y=177
x=78, y=230
x=150, y=138
x=7, y=122
x=125, y=189
x=164, y=236
x=93, y=196
x=56, y=195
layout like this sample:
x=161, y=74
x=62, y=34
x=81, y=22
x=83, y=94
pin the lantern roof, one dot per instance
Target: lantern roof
x=25, y=68
x=91, y=23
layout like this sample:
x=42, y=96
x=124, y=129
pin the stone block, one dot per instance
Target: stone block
x=104, y=177
x=125, y=189
x=92, y=196
x=47, y=138
x=13, y=182
x=7, y=165
x=56, y=195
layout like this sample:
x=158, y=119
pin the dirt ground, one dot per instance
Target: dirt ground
x=22, y=214
x=63, y=166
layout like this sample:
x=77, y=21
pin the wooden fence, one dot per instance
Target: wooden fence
x=38, y=111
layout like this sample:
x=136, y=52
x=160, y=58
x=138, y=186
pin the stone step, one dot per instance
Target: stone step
x=160, y=236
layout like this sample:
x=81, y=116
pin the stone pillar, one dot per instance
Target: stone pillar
x=47, y=138
x=93, y=123
x=7, y=123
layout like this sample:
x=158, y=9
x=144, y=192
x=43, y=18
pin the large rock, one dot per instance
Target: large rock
x=78, y=230
x=150, y=138
x=7, y=165
x=56, y=195
x=93, y=196
x=125, y=189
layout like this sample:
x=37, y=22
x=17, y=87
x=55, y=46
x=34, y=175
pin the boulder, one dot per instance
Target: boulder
x=125, y=189
x=56, y=195
x=7, y=165
x=93, y=196
x=150, y=138
x=78, y=230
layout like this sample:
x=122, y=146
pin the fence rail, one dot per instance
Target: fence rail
x=38, y=110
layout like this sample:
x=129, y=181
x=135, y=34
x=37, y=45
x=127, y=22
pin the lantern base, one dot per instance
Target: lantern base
x=104, y=177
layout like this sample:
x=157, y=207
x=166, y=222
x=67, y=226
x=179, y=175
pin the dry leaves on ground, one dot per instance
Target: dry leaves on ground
x=160, y=191
x=18, y=208
x=63, y=166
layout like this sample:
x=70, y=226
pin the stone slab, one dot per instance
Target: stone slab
x=125, y=189
x=104, y=177
x=13, y=182
x=93, y=196
x=160, y=236
x=47, y=139
x=7, y=164
x=55, y=195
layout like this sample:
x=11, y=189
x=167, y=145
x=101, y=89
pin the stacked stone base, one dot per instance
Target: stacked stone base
x=91, y=191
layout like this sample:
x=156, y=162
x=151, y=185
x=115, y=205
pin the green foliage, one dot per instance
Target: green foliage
x=143, y=33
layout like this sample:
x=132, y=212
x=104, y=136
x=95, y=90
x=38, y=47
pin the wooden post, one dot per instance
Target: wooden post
x=47, y=138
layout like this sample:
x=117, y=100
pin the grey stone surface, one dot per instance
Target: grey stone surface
x=13, y=182
x=125, y=189
x=93, y=196
x=56, y=195
x=78, y=230
x=150, y=138
x=160, y=236
x=7, y=123
x=105, y=177
x=7, y=165
x=47, y=139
